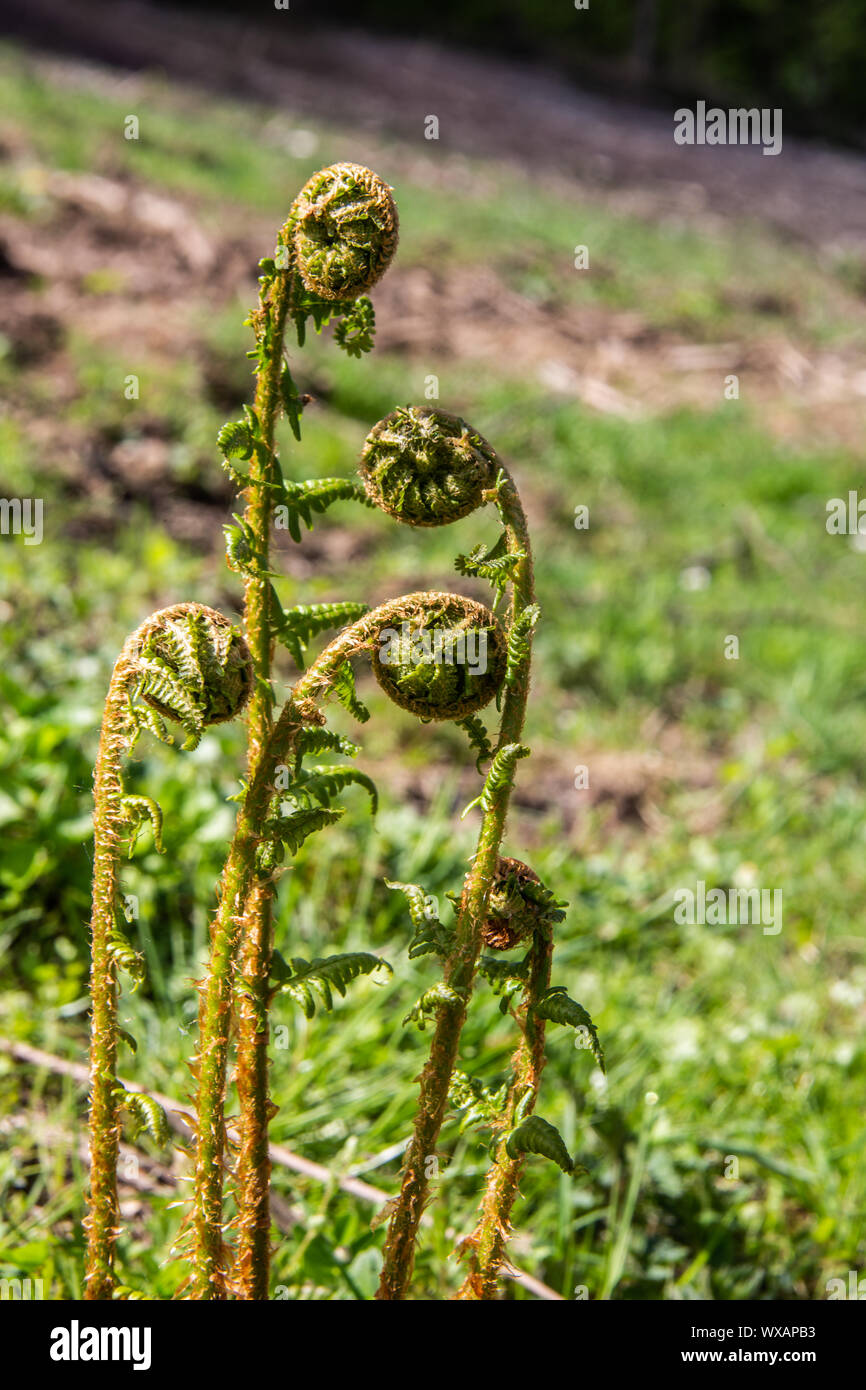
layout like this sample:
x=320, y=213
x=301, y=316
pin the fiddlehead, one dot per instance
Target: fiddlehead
x=186, y=664
x=426, y=467
x=344, y=230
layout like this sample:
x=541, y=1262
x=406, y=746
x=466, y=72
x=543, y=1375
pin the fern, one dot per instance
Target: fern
x=296, y=626
x=559, y=1008
x=355, y=330
x=520, y=641
x=125, y=956
x=292, y=830
x=320, y=740
x=480, y=1104
x=478, y=738
x=430, y=936
x=439, y=996
x=496, y=564
x=299, y=501
x=145, y=1113
x=136, y=810
x=303, y=979
x=343, y=686
x=324, y=781
x=537, y=1136
x=499, y=777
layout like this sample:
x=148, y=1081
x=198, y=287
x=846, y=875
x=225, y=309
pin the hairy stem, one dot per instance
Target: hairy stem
x=104, y=1124
x=485, y=1248
x=256, y=925
x=399, y=1253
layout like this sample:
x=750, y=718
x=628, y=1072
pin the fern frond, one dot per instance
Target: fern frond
x=520, y=641
x=505, y=976
x=343, y=686
x=478, y=738
x=496, y=564
x=125, y=956
x=439, y=996
x=299, y=978
x=326, y=780
x=293, y=403
x=296, y=626
x=298, y=501
x=294, y=829
x=135, y=811
x=145, y=1113
x=314, y=739
x=430, y=935
x=355, y=330
x=499, y=777
x=480, y=1104
x=559, y=1008
x=538, y=1136
x=235, y=440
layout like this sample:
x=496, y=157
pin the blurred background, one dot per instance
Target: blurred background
x=699, y=385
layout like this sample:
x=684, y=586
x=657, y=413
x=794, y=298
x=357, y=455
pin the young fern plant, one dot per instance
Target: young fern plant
x=188, y=665
x=338, y=240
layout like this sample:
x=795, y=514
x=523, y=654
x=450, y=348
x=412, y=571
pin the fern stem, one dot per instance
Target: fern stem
x=102, y=1220
x=485, y=1248
x=256, y=926
x=399, y=1252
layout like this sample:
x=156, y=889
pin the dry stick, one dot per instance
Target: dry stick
x=399, y=1253
x=485, y=1248
x=183, y=1121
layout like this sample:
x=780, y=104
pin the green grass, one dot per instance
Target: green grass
x=751, y=1045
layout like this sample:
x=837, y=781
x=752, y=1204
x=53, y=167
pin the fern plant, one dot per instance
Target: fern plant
x=440, y=656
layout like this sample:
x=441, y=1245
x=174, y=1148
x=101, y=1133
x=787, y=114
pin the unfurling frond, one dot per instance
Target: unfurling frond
x=294, y=829
x=496, y=564
x=298, y=978
x=506, y=977
x=136, y=810
x=314, y=739
x=559, y=1008
x=499, y=778
x=324, y=781
x=125, y=956
x=480, y=1104
x=355, y=330
x=478, y=738
x=145, y=1113
x=439, y=996
x=425, y=467
x=538, y=1136
x=430, y=935
x=520, y=641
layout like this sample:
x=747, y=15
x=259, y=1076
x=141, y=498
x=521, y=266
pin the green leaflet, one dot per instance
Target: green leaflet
x=537, y=1136
x=125, y=956
x=296, y=626
x=499, y=777
x=480, y=1104
x=430, y=935
x=313, y=739
x=343, y=686
x=293, y=830
x=355, y=330
x=495, y=564
x=299, y=978
x=135, y=811
x=520, y=641
x=507, y=977
x=478, y=738
x=559, y=1008
x=298, y=501
x=439, y=996
x=324, y=781
x=145, y=1114
x=293, y=404
x=242, y=553
x=235, y=440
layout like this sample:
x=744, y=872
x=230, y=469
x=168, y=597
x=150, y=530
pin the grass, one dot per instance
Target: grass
x=725, y=1146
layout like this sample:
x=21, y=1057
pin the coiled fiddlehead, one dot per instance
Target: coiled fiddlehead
x=426, y=467
x=344, y=231
x=447, y=660
x=189, y=665
x=512, y=912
